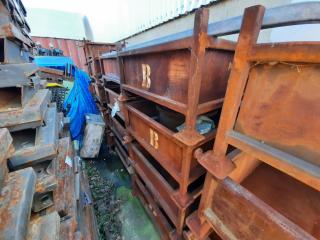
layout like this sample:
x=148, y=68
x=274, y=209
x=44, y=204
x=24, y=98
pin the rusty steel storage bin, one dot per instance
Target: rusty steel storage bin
x=116, y=131
x=92, y=51
x=159, y=141
x=186, y=72
x=177, y=73
x=161, y=186
x=163, y=225
x=274, y=182
x=174, y=76
x=100, y=92
x=122, y=151
x=107, y=76
x=111, y=80
x=110, y=67
x=117, y=126
x=113, y=92
x=117, y=142
x=111, y=84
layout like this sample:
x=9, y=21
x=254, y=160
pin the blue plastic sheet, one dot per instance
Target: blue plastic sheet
x=57, y=62
x=78, y=103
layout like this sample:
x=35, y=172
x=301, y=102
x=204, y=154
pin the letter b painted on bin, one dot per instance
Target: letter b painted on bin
x=154, y=139
x=146, y=71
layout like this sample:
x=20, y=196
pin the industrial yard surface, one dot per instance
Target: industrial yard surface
x=120, y=215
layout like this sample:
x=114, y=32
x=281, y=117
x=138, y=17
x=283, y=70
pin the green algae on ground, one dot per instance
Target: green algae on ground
x=125, y=218
x=105, y=205
x=136, y=225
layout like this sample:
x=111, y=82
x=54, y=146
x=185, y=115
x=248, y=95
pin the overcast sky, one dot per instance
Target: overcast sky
x=102, y=14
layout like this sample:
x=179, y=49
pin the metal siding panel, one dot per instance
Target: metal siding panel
x=71, y=48
x=158, y=12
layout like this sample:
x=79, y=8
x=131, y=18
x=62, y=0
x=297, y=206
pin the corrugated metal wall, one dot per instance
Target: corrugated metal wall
x=152, y=13
x=232, y=8
x=140, y=15
x=71, y=48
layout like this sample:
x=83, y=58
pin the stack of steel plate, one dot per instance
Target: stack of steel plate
x=40, y=173
x=15, y=41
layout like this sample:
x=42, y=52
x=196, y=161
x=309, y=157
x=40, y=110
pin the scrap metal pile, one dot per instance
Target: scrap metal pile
x=220, y=136
x=40, y=173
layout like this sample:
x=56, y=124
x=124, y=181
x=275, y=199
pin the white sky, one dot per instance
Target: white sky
x=103, y=15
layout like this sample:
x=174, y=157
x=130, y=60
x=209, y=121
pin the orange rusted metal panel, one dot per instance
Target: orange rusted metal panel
x=268, y=120
x=70, y=48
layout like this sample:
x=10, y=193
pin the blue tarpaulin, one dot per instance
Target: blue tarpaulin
x=78, y=103
x=57, y=62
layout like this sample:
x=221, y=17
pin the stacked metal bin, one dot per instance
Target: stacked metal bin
x=157, y=95
x=255, y=174
x=114, y=113
x=40, y=198
x=179, y=83
x=92, y=51
x=263, y=179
